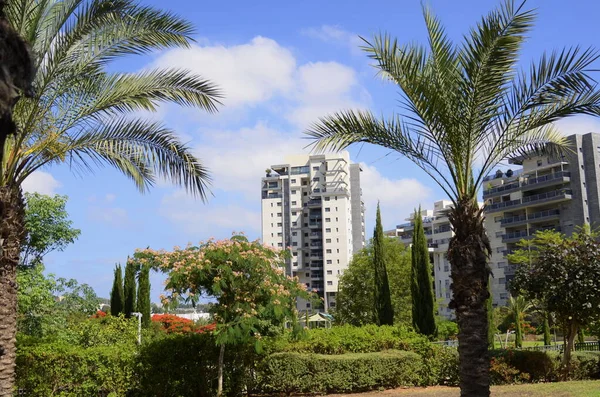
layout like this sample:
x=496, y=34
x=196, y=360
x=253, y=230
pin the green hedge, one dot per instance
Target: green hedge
x=315, y=373
x=59, y=369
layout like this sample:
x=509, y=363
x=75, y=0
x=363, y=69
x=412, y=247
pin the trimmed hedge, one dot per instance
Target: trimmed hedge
x=316, y=373
x=59, y=369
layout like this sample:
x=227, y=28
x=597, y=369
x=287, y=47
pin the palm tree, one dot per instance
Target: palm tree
x=465, y=109
x=86, y=116
x=518, y=307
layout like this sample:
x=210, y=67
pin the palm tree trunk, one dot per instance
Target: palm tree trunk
x=468, y=255
x=12, y=231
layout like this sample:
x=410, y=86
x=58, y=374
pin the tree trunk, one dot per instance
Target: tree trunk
x=518, y=331
x=547, y=338
x=12, y=231
x=568, y=348
x=220, y=376
x=468, y=253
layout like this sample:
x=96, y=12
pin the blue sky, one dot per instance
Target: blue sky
x=280, y=64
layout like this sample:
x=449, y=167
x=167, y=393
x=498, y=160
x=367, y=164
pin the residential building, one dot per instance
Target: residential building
x=313, y=205
x=544, y=192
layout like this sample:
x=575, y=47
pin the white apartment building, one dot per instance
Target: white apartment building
x=313, y=204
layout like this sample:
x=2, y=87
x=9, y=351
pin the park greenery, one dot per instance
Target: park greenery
x=421, y=283
x=384, y=313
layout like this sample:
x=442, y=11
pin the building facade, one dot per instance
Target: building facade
x=313, y=204
x=544, y=192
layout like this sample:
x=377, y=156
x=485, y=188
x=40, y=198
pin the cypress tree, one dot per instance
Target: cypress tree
x=129, y=289
x=143, y=296
x=116, y=294
x=383, y=300
x=421, y=281
x=546, y=326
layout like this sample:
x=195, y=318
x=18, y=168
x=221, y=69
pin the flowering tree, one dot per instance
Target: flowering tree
x=247, y=280
x=564, y=274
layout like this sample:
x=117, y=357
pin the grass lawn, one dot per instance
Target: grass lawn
x=588, y=388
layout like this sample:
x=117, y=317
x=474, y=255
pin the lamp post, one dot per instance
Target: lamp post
x=139, y=316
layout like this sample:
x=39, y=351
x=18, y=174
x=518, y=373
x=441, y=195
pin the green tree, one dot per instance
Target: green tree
x=384, y=313
x=517, y=308
x=129, y=289
x=117, y=296
x=356, y=286
x=565, y=278
x=48, y=227
x=421, y=287
x=143, y=297
x=86, y=113
x=247, y=279
x=466, y=108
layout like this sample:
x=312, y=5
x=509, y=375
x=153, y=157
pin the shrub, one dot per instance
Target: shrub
x=501, y=372
x=60, y=369
x=585, y=365
x=314, y=373
x=173, y=324
x=539, y=366
x=440, y=366
x=350, y=339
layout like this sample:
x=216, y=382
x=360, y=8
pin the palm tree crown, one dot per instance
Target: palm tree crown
x=467, y=105
x=84, y=115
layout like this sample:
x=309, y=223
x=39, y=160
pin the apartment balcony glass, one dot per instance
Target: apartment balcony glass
x=534, y=217
x=313, y=203
x=315, y=235
x=514, y=236
x=513, y=220
x=315, y=224
x=266, y=195
x=553, y=195
x=530, y=183
x=316, y=255
x=510, y=269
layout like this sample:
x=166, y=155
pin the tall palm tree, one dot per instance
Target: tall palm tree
x=518, y=307
x=466, y=108
x=86, y=116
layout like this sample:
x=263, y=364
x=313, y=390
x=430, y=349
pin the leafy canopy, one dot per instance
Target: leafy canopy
x=48, y=227
x=246, y=278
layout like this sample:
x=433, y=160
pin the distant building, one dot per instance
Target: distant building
x=313, y=204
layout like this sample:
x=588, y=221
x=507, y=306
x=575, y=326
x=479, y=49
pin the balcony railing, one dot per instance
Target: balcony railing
x=543, y=214
x=513, y=219
x=313, y=203
x=528, y=182
x=271, y=195
x=529, y=199
x=315, y=224
x=513, y=235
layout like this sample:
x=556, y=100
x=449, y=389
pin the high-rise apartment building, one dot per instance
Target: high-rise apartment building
x=313, y=205
x=544, y=192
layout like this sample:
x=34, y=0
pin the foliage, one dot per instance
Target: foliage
x=517, y=307
x=354, y=300
x=421, y=287
x=117, y=296
x=143, y=295
x=246, y=279
x=62, y=369
x=446, y=329
x=564, y=275
x=46, y=303
x=384, y=313
x=350, y=339
x=129, y=289
x=312, y=373
x=173, y=324
x=48, y=227
x=183, y=365
x=103, y=331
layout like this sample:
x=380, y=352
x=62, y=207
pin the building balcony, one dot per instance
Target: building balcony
x=314, y=225
x=315, y=235
x=316, y=255
x=510, y=270
x=316, y=245
x=531, y=218
x=316, y=264
x=514, y=220
x=514, y=236
x=266, y=195
x=313, y=203
x=560, y=177
x=527, y=201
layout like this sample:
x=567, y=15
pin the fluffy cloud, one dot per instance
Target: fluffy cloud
x=247, y=73
x=398, y=197
x=213, y=219
x=41, y=182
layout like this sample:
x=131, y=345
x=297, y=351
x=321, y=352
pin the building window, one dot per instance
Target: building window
x=316, y=179
x=447, y=295
x=446, y=268
x=279, y=224
x=280, y=244
x=539, y=163
x=329, y=272
x=294, y=233
x=327, y=219
x=305, y=224
x=305, y=234
x=279, y=204
x=305, y=194
x=295, y=244
x=304, y=183
x=307, y=274
x=294, y=213
x=295, y=254
x=447, y=282
x=293, y=181
x=328, y=240
x=279, y=234
x=279, y=214
x=294, y=223
x=330, y=283
x=316, y=168
x=308, y=305
x=326, y=198
x=272, y=185
x=294, y=202
x=502, y=280
x=327, y=209
x=329, y=261
x=293, y=191
x=328, y=230
x=328, y=251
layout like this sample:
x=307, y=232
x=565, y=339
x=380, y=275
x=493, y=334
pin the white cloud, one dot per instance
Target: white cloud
x=41, y=182
x=213, y=219
x=110, y=197
x=246, y=73
x=112, y=216
x=336, y=35
x=237, y=159
x=397, y=197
